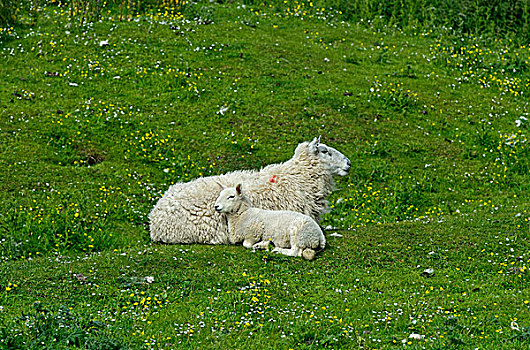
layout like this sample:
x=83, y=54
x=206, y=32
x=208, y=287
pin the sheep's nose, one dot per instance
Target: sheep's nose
x=217, y=208
x=348, y=163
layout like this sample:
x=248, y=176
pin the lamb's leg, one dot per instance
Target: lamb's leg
x=294, y=251
x=249, y=243
x=262, y=245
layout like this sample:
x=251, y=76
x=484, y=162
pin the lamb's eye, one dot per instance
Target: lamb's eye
x=231, y=197
x=324, y=151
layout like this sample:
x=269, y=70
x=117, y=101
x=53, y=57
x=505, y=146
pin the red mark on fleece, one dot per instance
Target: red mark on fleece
x=273, y=179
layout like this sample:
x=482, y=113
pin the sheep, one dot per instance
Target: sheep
x=184, y=214
x=292, y=233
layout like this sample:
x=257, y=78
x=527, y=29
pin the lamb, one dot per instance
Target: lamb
x=293, y=234
x=185, y=213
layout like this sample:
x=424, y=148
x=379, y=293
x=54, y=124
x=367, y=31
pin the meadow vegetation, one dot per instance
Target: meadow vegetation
x=103, y=105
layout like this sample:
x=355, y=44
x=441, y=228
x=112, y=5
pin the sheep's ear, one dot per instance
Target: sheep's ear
x=313, y=145
x=238, y=189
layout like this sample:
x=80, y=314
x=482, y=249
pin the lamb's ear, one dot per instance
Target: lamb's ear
x=238, y=189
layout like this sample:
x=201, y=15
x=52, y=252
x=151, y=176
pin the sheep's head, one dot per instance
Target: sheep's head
x=229, y=200
x=336, y=162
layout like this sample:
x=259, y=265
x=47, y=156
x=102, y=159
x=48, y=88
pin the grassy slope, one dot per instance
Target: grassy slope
x=427, y=187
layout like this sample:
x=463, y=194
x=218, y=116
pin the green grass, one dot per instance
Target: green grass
x=98, y=119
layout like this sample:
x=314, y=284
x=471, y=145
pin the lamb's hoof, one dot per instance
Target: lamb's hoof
x=308, y=254
x=276, y=250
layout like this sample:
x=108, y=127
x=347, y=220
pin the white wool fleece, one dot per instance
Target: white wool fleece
x=185, y=213
x=292, y=233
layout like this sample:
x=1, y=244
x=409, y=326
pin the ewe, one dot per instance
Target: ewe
x=292, y=233
x=185, y=213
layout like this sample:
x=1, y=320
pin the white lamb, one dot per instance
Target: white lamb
x=293, y=234
x=185, y=213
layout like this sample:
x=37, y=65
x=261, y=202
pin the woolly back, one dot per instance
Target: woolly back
x=302, y=152
x=300, y=184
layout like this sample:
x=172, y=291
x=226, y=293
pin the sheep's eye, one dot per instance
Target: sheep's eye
x=231, y=197
x=324, y=151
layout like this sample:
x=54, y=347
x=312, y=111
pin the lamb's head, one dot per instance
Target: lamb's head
x=336, y=162
x=230, y=200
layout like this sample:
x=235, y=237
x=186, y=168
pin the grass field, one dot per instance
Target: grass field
x=428, y=236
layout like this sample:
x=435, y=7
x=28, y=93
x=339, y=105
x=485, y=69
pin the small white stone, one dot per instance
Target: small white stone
x=416, y=336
